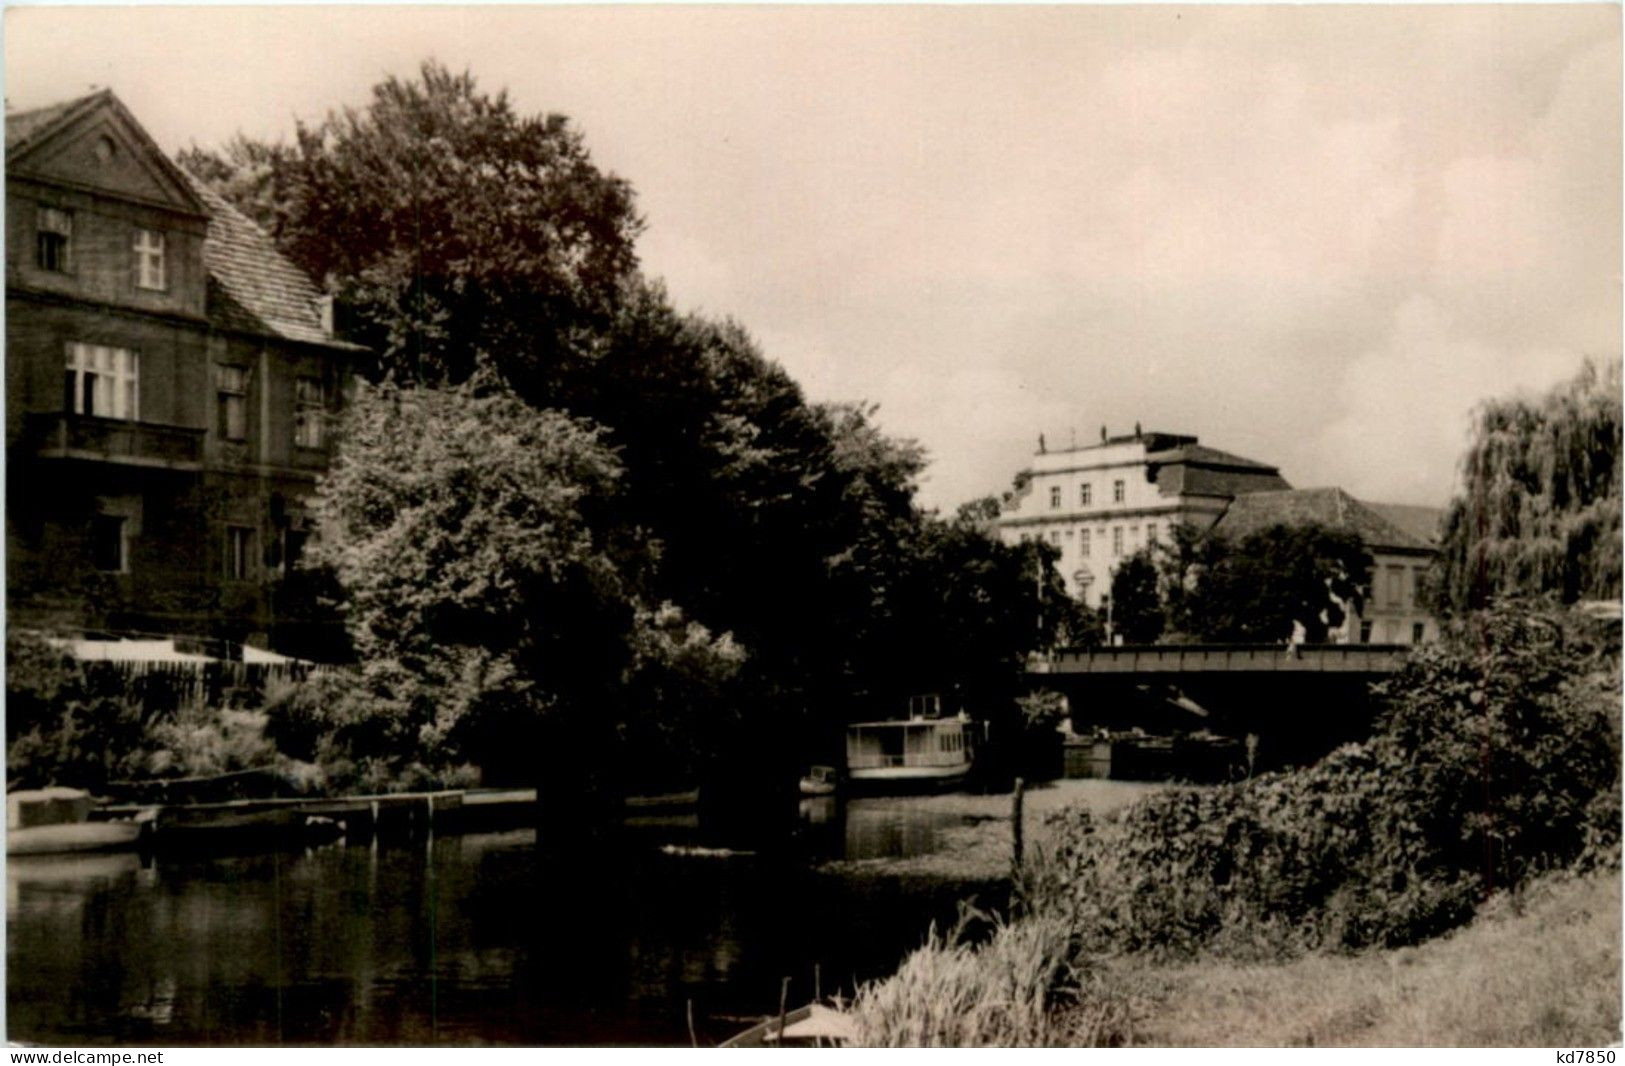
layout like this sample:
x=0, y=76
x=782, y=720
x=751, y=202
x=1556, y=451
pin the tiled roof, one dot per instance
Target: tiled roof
x=1197, y=470
x=21, y=126
x=252, y=286
x=1331, y=507
x=1201, y=453
x=1420, y=522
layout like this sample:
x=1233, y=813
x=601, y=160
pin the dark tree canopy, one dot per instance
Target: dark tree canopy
x=737, y=553
x=1137, y=613
x=1539, y=510
x=1267, y=585
x=452, y=228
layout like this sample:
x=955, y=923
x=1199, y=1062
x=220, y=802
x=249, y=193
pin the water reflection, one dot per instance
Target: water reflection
x=466, y=940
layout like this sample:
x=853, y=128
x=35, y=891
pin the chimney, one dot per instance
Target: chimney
x=324, y=311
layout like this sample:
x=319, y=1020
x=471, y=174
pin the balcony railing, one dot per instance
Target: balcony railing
x=115, y=440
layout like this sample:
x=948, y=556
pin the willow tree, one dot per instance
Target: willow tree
x=1539, y=511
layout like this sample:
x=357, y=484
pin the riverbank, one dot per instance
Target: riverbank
x=978, y=848
x=1545, y=973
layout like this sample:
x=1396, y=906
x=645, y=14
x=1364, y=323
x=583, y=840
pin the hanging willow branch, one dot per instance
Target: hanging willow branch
x=1540, y=507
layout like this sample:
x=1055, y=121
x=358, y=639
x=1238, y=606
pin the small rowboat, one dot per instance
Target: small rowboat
x=820, y=781
x=814, y=1025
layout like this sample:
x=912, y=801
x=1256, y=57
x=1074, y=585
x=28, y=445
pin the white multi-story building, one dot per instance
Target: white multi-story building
x=1101, y=503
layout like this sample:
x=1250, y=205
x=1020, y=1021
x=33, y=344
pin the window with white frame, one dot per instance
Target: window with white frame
x=1085, y=492
x=239, y=552
x=231, y=394
x=1083, y=543
x=149, y=260
x=1117, y=491
x=103, y=381
x=53, y=233
x=1117, y=540
x=1055, y=496
x=308, y=409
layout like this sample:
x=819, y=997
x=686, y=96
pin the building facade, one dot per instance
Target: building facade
x=170, y=386
x=1101, y=503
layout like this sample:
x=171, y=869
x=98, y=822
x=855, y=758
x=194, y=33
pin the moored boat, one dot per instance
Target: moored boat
x=917, y=752
x=813, y=1025
x=55, y=821
x=818, y=781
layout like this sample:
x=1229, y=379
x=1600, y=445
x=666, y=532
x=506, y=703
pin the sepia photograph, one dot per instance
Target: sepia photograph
x=746, y=526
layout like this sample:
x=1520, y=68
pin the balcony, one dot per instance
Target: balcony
x=114, y=440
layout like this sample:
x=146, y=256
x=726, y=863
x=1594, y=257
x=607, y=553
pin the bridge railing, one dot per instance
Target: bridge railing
x=1226, y=658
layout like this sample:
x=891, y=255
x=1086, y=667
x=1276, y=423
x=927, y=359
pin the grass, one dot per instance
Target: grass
x=1543, y=973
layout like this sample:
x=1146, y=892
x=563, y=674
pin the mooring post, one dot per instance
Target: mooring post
x=1016, y=800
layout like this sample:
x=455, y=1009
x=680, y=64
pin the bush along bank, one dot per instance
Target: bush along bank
x=1496, y=760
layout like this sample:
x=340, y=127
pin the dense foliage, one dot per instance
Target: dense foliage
x=1497, y=759
x=576, y=459
x=452, y=228
x=1540, y=505
x=1267, y=587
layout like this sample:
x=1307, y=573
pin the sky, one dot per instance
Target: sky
x=1314, y=236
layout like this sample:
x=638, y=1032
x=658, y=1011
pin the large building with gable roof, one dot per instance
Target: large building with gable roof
x=1101, y=503
x=171, y=381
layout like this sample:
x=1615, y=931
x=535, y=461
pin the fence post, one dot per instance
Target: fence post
x=1016, y=801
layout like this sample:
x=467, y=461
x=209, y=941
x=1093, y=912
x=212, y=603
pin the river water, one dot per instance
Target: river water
x=460, y=940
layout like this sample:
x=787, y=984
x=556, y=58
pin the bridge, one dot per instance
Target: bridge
x=1303, y=699
x=1161, y=660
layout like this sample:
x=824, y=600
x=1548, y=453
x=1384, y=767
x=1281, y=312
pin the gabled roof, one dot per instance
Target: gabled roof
x=23, y=127
x=252, y=286
x=40, y=139
x=1330, y=507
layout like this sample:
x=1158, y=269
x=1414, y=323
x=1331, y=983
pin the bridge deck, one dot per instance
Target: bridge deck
x=1227, y=658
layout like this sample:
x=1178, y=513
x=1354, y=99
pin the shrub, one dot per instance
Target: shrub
x=68, y=723
x=1497, y=758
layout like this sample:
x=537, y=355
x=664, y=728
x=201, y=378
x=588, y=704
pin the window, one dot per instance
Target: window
x=1396, y=585
x=1117, y=540
x=53, y=233
x=1117, y=491
x=232, y=393
x=307, y=412
x=239, y=552
x=1083, y=543
x=1085, y=492
x=1417, y=631
x=1055, y=496
x=1133, y=538
x=149, y=259
x=107, y=546
x=1055, y=536
x=102, y=381
x=1365, y=632
x=1150, y=532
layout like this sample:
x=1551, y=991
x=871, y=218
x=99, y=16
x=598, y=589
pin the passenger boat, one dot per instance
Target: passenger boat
x=55, y=821
x=917, y=752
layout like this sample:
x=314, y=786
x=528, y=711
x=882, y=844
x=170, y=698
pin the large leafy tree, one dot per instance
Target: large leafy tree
x=1137, y=611
x=1270, y=583
x=483, y=600
x=453, y=228
x=1540, y=504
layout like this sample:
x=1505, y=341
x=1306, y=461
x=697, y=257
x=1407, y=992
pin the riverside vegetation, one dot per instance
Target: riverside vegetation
x=1492, y=780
